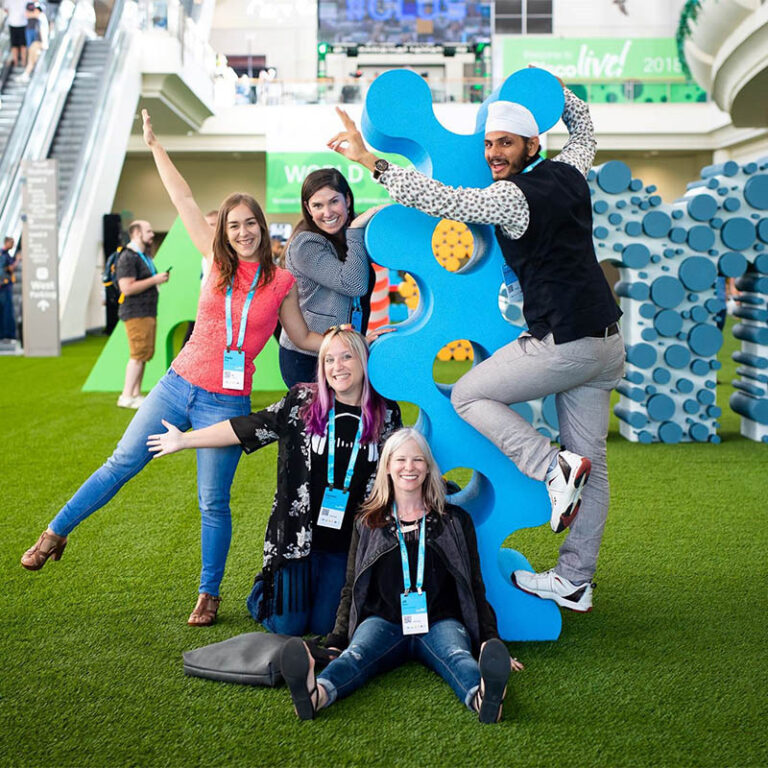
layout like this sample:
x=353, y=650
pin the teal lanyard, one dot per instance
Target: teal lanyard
x=404, y=554
x=150, y=264
x=332, y=450
x=532, y=165
x=244, y=315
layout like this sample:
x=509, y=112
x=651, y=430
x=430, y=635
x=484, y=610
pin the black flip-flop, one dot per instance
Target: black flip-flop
x=494, y=672
x=294, y=666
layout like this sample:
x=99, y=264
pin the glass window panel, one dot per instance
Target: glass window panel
x=539, y=7
x=509, y=7
x=539, y=25
x=509, y=25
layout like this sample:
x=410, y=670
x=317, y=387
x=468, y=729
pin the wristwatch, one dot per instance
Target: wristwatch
x=380, y=166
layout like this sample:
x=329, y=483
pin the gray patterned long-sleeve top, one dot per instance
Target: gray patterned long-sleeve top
x=500, y=203
x=327, y=285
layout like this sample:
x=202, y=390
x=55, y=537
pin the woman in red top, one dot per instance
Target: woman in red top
x=241, y=299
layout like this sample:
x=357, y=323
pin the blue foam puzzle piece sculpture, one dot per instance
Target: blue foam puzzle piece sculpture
x=399, y=118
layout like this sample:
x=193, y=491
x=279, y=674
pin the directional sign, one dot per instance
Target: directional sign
x=41, y=259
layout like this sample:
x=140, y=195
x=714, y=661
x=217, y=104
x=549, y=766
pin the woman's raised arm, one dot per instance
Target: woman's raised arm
x=178, y=190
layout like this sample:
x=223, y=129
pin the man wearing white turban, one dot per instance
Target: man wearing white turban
x=542, y=214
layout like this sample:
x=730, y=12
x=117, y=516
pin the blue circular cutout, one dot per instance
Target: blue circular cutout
x=732, y=264
x=641, y=355
x=600, y=233
x=649, y=334
x=762, y=230
x=614, y=177
x=731, y=204
x=678, y=234
x=705, y=340
x=705, y=396
x=661, y=375
x=633, y=228
x=647, y=311
x=699, y=433
x=645, y=437
x=699, y=367
x=636, y=256
x=660, y=407
x=697, y=273
x=656, y=224
x=668, y=322
x=691, y=406
x=738, y=233
x=615, y=218
x=761, y=263
x=677, y=356
x=701, y=237
x=601, y=206
x=714, y=412
x=667, y=291
x=756, y=191
x=670, y=432
x=635, y=184
x=699, y=315
x=702, y=207
x=684, y=386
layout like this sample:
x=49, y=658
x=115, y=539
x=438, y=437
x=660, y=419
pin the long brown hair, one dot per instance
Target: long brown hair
x=314, y=182
x=224, y=256
x=375, y=510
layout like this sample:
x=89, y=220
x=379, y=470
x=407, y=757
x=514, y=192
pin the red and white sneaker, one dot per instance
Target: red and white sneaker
x=565, y=483
x=550, y=586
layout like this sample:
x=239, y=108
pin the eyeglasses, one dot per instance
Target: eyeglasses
x=342, y=327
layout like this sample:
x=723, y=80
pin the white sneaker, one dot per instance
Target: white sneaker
x=550, y=586
x=139, y=399
x=127, y=402
x=565, y=483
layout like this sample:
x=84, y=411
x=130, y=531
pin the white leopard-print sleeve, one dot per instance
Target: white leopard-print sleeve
x=579, y=150
x=501, y=203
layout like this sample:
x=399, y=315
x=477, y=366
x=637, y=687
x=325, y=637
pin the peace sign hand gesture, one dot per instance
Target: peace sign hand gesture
x=349, y=143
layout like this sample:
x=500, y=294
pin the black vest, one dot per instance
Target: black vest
x=564, y=290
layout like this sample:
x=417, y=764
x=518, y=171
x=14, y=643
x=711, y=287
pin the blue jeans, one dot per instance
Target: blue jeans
x=7, y=320
x=321, y=576
x=378, y=646
x=184, y=405
x=296, y=367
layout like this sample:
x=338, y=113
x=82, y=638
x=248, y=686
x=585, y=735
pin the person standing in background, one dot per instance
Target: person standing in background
x=17, y=24
x=7, y=279
x=138, y=279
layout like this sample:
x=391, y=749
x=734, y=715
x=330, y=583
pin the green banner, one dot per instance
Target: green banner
x=595, y=59
x=286, y=172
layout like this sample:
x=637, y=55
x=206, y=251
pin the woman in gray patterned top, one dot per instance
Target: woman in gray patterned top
x=327, y=257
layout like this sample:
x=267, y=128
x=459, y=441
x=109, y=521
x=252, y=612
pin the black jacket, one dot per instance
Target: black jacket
x=453, y=538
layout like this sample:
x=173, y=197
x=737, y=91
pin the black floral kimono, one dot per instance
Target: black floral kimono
x=289, y=530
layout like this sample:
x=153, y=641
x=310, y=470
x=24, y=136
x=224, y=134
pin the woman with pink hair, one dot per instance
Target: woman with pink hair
x=328, y=435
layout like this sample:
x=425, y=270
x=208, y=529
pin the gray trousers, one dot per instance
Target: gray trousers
x=582, y=374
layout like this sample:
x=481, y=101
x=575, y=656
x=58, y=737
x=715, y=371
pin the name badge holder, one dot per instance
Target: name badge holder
x=335, y=500
x=233, y=371
x=357, y=315
x=514, y=291
x=413, y=605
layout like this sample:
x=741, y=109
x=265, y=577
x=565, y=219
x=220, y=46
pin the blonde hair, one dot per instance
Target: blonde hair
x=376, y=508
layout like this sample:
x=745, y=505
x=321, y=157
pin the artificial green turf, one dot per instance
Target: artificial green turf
x=669, y=670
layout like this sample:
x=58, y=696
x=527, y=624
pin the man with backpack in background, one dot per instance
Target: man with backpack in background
x=111, y=290
x=137, y=279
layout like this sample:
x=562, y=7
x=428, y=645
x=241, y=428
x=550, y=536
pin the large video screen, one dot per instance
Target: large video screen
x=393, y=22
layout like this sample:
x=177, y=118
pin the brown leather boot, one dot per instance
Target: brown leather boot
x=49, y=545
x=205, y=611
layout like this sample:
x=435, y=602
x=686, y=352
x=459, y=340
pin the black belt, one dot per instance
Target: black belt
x=611, y=330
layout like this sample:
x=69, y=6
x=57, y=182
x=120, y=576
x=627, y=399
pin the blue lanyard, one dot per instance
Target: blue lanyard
x=150, y=264
x=244, y=315
x=332, y=449
x=532, y=165
x=404, y=554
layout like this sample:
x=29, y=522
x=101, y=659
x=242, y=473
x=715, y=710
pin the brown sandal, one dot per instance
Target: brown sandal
x=49, y=545
x=205, y=611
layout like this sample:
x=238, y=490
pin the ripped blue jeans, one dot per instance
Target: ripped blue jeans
x=378, y=646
